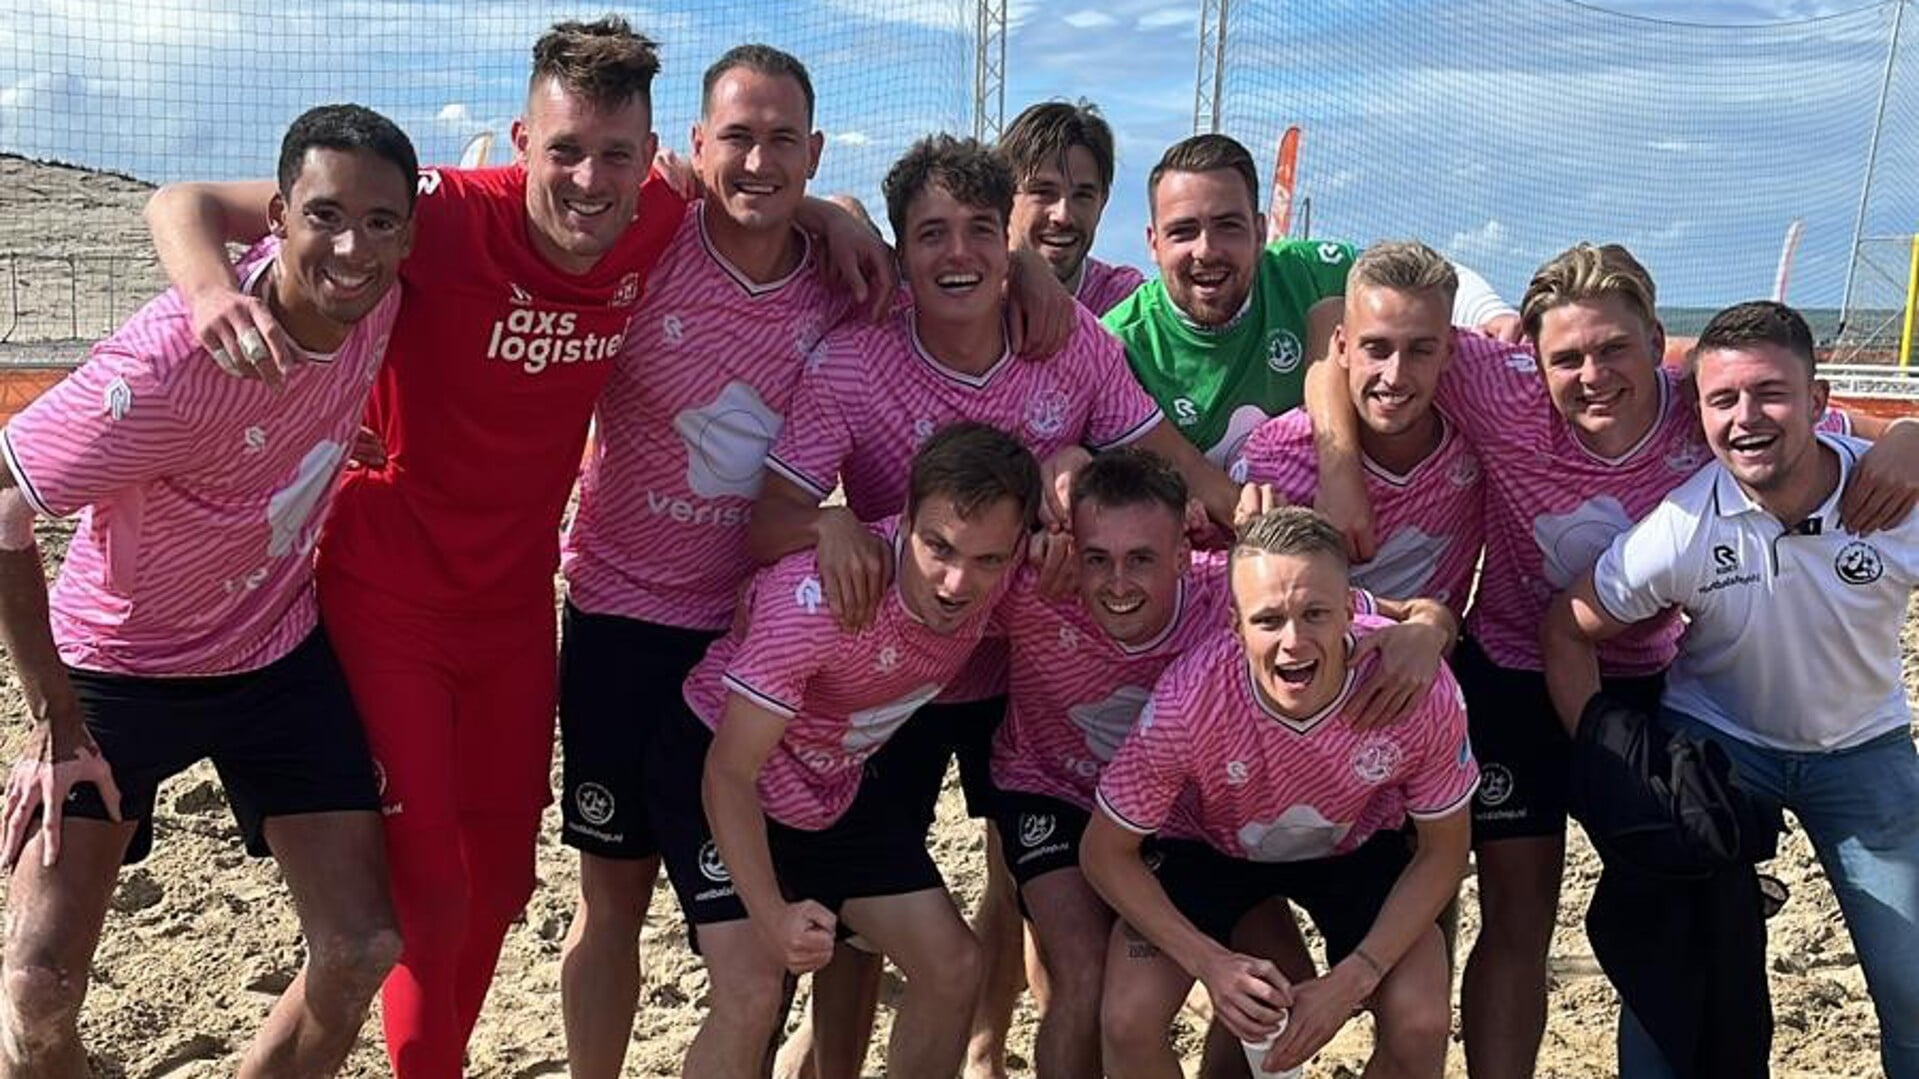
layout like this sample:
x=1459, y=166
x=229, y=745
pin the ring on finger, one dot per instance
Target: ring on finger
x=221, y=356
x=253, y=346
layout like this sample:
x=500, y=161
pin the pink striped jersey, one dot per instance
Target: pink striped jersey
x=1074, y=691
x=1430, y=522
x=1211, y=760
x=1102, y=285
x=876, y=393
x=697, y=394
x=1553, y=506
x=841, y=694
x=200, y=494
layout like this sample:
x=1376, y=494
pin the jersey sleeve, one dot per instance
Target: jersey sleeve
x=818, y=435
x=1836, y=421
x=1139, y=785
x=1122, y=411
x=1489, y=386
x=1280, y=452
x=1476, y=302
x=1641, y=573
x=1445, y=775
x=790, y=632
x=109, y=426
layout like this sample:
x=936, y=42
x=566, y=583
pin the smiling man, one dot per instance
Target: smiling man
x=782, y=716
x=1062, y=158
x=184, y=626
x=1791, y=657
x=1249, y=763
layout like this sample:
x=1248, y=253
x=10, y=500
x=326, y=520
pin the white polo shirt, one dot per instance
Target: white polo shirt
x=1794, y=636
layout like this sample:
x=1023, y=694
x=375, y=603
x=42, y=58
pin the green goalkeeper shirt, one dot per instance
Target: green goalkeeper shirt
x=1218, y=385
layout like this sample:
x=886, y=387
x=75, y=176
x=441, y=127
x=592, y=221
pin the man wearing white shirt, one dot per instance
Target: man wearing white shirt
x=1792, y=659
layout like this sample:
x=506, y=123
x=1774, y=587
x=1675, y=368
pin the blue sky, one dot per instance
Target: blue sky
x=1497, y=131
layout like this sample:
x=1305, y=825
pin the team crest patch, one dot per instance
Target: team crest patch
x=1046, y=412
x=628, y=291
x=1284, y=352
x=1035, y=828
x=1377, y=761
x=1495, y=785
x=710, y=865
x=1332, y=254
x=1859, y=563
x=594, y=802
x=1464, y=471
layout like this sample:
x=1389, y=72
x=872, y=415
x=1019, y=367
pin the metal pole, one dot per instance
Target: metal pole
x=1219, y=60
x=1872, y=158
x=1912, y=300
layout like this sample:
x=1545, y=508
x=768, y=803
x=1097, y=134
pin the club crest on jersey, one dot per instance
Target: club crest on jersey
x=1495, y=785
x=809, y=594
x=1035, y=828
x=594, y=802
x=1332, y=254
x=1377, y=761
x=711, y=867
x=627, y=293
x=1046, y=412
x=1283, y=352
x=1859, y=563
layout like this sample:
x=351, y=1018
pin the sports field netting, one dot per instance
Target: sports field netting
x=169, y=89
x=1504, y=131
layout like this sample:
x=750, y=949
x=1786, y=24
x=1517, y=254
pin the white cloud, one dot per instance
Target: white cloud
x=850, y=138
x=1671, y=146
x=1166, y=17
x=1483, y=242
x=1088, y=19
x=453, y=112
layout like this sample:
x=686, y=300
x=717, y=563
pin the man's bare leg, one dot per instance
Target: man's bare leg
x=1143, y=992
x=1001, y=935
x=335, y=867
x=600, y=964
x=921, y=932
x=1073, y=927
x=1503, y=995
x=837, y=1026
x=746, y=999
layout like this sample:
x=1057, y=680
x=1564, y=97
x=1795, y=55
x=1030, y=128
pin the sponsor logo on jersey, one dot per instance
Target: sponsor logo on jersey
x=1185, y=412
x=922, y=430
x=1236, y=773
x=1283, y=351
x=538, y=339
x=1068, y=638
x=809, y=594
x=1332, y=254
x=118, y=399
x=594, y=802
x=1521, y=361
x=888, y=659
x=1858, y=563
x=518, y=296
x=1724, y=560
x=429, y=181
x=672, y=329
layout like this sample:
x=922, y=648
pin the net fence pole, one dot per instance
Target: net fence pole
x=1872, y=160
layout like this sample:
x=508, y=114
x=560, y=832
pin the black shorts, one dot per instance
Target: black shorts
x=1038, y=834
x=911, y=766
x=1343, y=894
x=872, y=850
x=1524, y=753
x=284, y=739
x=618, y=678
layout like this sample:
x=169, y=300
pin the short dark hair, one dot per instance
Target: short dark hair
x=1130, y=476
x=1044, y=132
x=760, y=59
x=605, y=61
x=1758, y=322
x=347, y=127
x=1290, y=530
x=975, y=465
x=966, y=168
x=1205, y=153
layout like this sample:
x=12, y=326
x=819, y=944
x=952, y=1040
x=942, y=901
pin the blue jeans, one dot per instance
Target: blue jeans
x=1860, y=808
